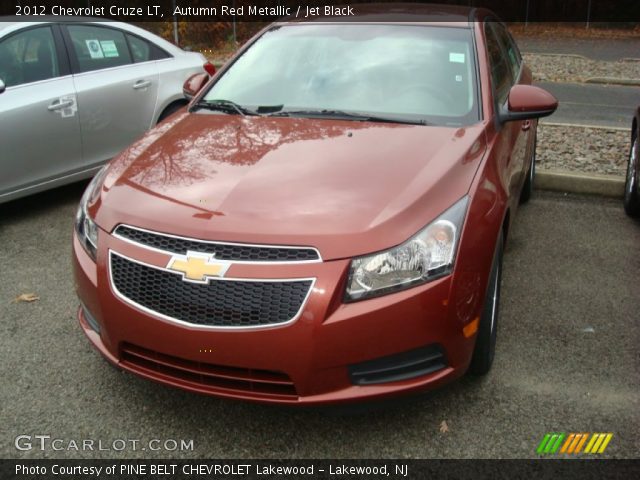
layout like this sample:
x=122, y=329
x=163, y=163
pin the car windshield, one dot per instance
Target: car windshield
x=421, y=74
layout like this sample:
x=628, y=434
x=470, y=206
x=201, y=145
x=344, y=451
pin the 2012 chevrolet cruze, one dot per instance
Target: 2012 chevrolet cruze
x=326, y=222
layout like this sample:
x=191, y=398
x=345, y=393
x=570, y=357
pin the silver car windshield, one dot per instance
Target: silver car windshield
x=422, y=73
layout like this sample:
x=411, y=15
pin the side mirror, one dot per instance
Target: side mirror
x=526, y=102
x=2, y=86
x=194, y=84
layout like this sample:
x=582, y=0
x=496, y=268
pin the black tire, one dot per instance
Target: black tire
x=631, y=187
x=484, y=350
x=527, y=188
x=171, y=109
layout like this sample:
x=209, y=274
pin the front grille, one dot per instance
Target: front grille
x=222, y=251
x=401, y=366
x=219, y=303
x=207, y=375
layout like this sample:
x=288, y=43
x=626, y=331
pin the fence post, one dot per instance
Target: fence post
x=235, y=41
x=175, y=26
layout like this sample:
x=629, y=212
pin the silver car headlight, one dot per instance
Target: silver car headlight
x=85, y=227
x=427, y=255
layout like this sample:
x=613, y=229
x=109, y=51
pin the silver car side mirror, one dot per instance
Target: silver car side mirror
x=2, y=86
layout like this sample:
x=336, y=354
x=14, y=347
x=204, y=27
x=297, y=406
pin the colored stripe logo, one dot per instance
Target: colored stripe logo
x=573, y=443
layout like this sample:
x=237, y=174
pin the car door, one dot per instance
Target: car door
x=39, y=126
x=116, y=96
x=509, y=141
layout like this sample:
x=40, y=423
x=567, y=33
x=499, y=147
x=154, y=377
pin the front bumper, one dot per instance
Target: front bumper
x=309, y=361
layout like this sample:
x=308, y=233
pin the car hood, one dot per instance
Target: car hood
x=345, y=187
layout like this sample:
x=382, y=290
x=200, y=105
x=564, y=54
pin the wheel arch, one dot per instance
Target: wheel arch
x=506, y=223
x=176, y=103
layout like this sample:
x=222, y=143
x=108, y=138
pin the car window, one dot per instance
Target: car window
x=140, y=49
x=98, y=47
x=28, y=56
x=144, y=51
x=413, y=72
x=513, y=54
x=501, y=73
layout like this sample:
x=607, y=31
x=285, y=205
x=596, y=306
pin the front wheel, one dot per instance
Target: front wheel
x=486, y=340
x=631, y=194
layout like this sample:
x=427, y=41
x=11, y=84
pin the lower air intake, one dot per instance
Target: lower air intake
x=207, y=375
x=401, y=366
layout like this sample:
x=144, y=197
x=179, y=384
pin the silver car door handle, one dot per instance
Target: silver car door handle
x=58, y=105
x=141, y=84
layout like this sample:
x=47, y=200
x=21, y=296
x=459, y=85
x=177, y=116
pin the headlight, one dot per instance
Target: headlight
x=86, y=228
x=427, y=255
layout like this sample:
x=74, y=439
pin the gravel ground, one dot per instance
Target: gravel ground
x=581, y=149
x=573, y=69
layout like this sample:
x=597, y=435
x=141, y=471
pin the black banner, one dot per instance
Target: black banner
x=317, y=469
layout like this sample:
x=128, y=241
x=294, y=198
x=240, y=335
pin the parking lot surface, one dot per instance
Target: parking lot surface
x=587, y=104
x=567, y=358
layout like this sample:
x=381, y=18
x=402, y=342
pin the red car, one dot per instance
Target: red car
x=326, y=221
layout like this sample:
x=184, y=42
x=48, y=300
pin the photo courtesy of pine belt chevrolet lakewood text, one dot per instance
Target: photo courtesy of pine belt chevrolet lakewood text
x=326, y=221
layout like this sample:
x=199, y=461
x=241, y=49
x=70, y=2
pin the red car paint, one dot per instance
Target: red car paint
x=305, y=187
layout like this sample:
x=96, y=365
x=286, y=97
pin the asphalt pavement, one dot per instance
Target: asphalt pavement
x=592, y=104
x=567, y=357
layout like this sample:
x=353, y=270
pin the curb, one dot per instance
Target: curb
x=563, y=55
x=544, y=123
x=613, y=81
x=572, y=182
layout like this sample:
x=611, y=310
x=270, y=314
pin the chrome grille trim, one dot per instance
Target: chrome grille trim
x=315, y=251
x=178, y=321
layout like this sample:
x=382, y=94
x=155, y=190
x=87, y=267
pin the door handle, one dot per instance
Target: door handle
x=59, y=105
x=141, y=84
x=526, y=125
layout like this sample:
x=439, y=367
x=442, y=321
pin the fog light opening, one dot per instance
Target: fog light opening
x=91, y=320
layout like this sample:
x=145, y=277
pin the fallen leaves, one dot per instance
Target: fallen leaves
x=444, y=428
x=26, y=298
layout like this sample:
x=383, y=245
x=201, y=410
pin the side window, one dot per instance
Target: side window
x=513, y=54
x=28, y=56
x=98, y=47
x=140, y=49
x=143, y=51
x=501, y=74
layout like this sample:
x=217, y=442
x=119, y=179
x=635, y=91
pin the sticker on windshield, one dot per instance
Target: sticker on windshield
x=456, y=57
x=94, y=48
x=109, y=48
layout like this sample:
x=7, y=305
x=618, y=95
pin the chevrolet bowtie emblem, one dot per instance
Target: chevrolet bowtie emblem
x=198, y=267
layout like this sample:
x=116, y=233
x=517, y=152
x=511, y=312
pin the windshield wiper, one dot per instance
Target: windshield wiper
x=225, y=106
x=317, y=113
x=340, y=114
x=406, y=121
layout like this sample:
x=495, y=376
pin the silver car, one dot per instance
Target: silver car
x=74, y=94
